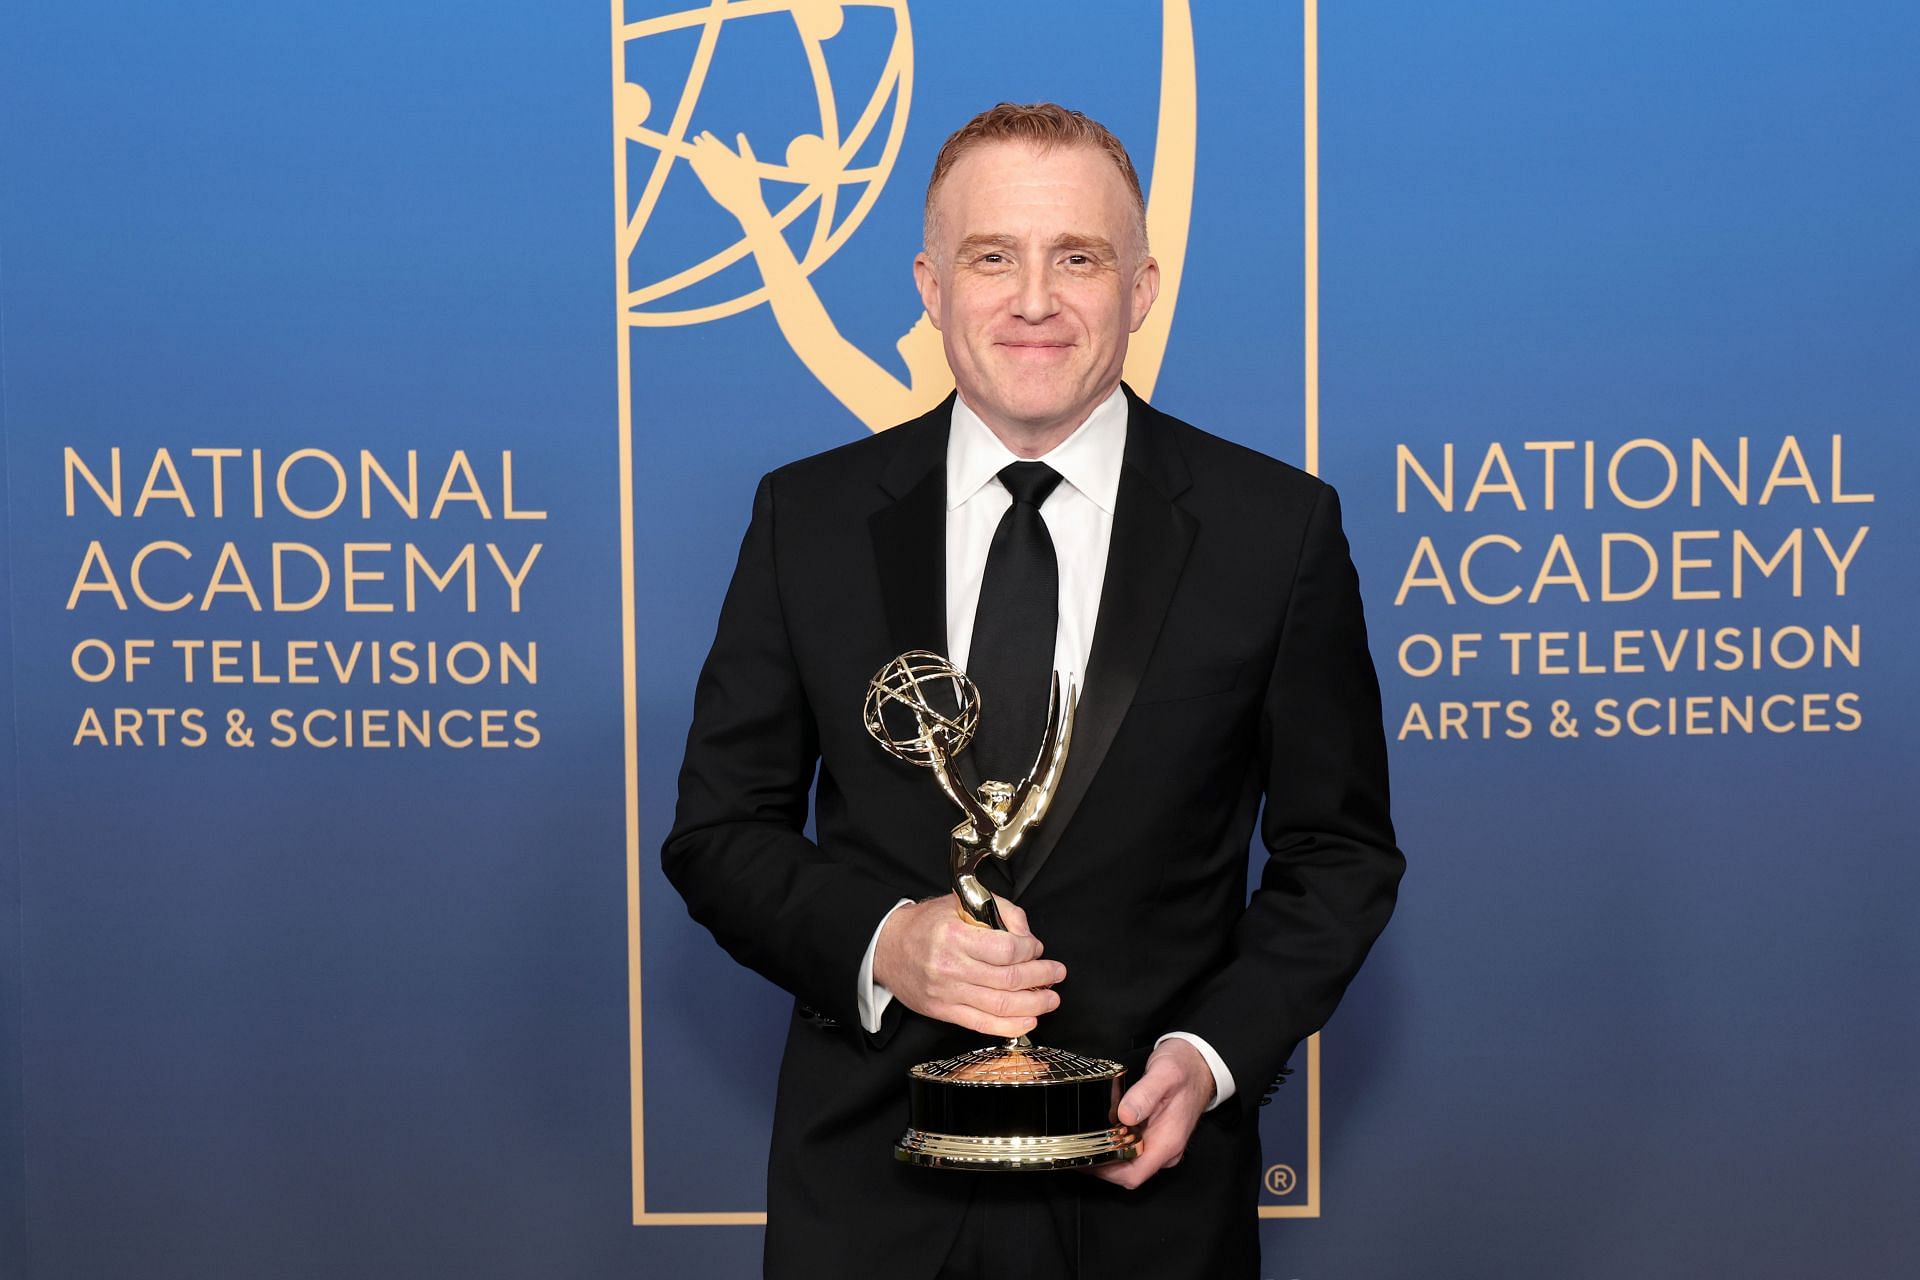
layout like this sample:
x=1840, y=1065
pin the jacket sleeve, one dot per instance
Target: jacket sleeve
x=1332, y=868
x=737, y=852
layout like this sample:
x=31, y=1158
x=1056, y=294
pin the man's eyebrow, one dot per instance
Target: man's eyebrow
x=1099, y=246
x=977, y=244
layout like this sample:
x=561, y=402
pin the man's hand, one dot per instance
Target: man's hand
x=1163, y=1107
x=939, y=964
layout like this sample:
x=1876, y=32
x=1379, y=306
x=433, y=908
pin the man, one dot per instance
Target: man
x=1200, y=596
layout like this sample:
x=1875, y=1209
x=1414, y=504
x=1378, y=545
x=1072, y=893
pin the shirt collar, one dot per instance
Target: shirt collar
x=1089, y=459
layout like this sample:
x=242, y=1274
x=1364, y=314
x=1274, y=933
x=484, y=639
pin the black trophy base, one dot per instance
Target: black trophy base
x=1014, y=1107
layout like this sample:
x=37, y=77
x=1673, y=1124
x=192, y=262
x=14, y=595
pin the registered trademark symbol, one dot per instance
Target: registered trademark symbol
x=1280, y=1179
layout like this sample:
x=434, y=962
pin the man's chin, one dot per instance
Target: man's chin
x=1038, y=410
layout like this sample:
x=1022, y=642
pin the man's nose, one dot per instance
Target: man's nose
x=1035, y=300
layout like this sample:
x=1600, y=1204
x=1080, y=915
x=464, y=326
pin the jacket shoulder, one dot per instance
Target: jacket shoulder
x=1219, y=463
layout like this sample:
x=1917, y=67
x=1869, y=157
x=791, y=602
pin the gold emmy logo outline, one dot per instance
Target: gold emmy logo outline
x=821, y=164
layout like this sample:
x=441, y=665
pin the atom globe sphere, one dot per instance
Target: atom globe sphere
x=921, y=708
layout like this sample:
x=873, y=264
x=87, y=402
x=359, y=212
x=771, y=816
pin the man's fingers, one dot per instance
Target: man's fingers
x=1154, y=1156
x=1161, y=1146
x=997, y=1002
x=1164, y=1107
x=1012, y=915
x=987, y=980
x=992, y=946
x=975, y=1019
x=1017, y=977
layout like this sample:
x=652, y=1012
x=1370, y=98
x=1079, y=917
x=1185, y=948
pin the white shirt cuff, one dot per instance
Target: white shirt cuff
x=1222, y=1078
x=872, y=998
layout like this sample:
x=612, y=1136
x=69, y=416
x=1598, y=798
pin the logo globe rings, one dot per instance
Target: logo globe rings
x=821, y=164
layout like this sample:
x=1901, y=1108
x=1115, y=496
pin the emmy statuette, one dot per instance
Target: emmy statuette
x=1014, y=1105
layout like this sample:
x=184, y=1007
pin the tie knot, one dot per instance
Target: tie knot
x=1029, y=482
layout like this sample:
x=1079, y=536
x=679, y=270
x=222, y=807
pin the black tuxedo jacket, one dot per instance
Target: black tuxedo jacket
x=1229, y=666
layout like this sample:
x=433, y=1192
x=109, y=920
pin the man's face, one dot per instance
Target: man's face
x=1034, y=274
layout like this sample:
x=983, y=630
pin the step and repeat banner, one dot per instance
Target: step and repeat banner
x=384, y=387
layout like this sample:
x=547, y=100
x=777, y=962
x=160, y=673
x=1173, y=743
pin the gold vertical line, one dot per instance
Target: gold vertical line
x=636, y=1054
x=1310, y=114
x=1313, y=1125
x=637, y=1118
x=1310, y=216
x=1310, y=1209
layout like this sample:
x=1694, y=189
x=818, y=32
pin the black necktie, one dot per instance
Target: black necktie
x=1011, y=658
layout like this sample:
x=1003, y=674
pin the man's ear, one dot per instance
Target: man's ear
x=1146, y=287
x=927, y=281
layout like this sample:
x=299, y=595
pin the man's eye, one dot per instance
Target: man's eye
x=992, y=259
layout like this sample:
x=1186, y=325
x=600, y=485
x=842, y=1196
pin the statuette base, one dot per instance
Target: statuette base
x=1015, y=1107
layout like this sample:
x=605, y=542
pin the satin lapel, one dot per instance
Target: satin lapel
x=1151, y=538
x=910, y=535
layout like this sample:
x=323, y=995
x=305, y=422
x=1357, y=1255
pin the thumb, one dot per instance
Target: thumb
x=1013, y=916
x=746, y=148
x=1140, y=1103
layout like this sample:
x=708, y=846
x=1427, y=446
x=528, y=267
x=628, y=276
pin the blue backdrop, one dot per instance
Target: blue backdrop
x=419, y=1003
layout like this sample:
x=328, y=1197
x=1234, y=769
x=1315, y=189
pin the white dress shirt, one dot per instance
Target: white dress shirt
x=1079, y=519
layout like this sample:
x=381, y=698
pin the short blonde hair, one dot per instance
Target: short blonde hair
x=1045, y=125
